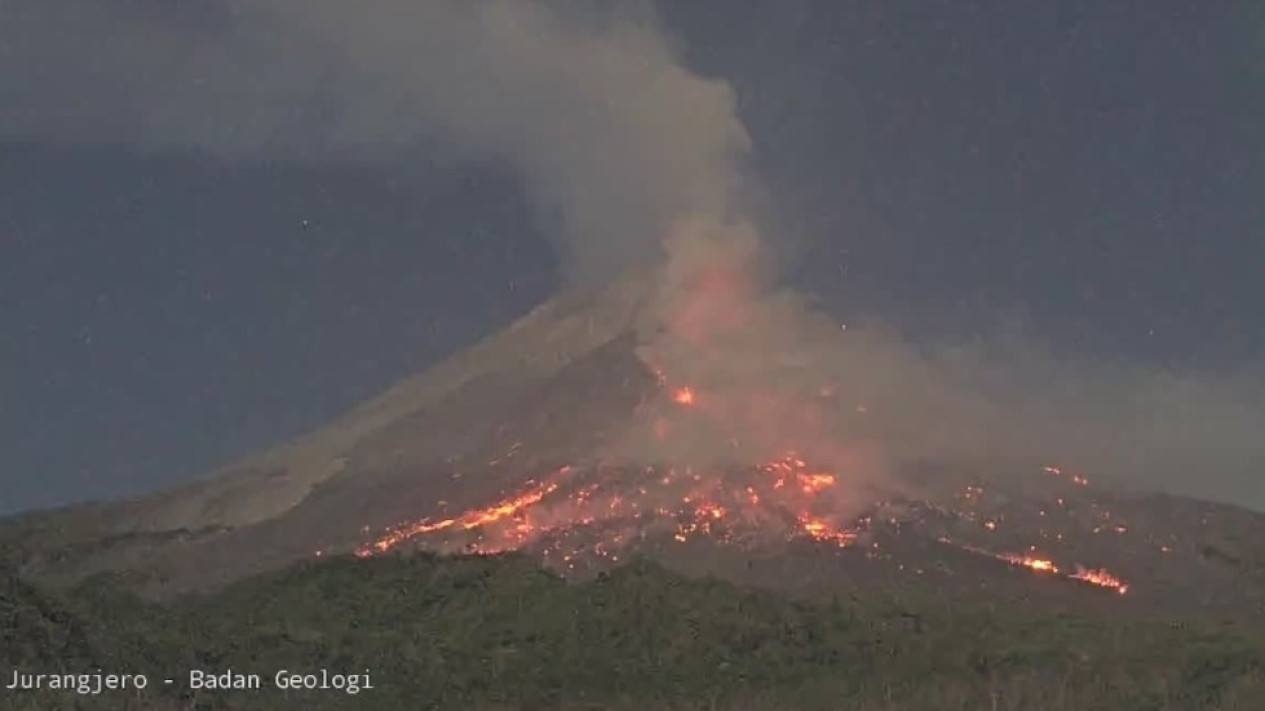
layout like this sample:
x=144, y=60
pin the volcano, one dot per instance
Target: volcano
x=681, y=420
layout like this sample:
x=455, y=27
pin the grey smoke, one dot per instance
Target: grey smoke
x=1005, y=406
x=632, y=151
x=613, y=135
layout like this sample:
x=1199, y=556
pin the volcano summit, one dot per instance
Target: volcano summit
x=715, y=426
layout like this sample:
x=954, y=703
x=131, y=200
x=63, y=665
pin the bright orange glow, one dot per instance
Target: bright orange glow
x=812, y=483
x=1100, y=578
x=595, y=513
x=1040, y=565
x=548, y=510
x=467, y=521
x=822, y=531
x=712, y=510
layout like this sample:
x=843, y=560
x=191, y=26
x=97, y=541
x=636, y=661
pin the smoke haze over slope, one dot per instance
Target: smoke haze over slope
x=625, y=151
x=612, y=134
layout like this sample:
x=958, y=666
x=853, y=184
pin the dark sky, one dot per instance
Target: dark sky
x=1094, y=166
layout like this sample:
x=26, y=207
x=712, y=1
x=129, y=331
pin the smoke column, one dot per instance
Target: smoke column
x=616, y=139
x=625, y=152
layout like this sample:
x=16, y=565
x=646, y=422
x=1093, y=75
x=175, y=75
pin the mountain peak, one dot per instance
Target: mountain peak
x=688, y=418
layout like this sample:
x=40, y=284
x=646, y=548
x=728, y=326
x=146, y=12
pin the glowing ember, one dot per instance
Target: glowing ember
x=812, y=483
x=550, y=511
x=577, y=516
x=618, y=510
x=1100, y=578
x=1075, y=478
x=1040, y=565
x=822, y=531
x=467, y=521
x=712, y=510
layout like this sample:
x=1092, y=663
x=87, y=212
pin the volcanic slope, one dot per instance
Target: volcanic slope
x=573, y=435
x=388, y=458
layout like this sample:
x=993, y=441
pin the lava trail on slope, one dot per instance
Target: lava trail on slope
x=577, y=518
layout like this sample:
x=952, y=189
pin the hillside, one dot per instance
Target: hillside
x=499, y=632
x=696, y=424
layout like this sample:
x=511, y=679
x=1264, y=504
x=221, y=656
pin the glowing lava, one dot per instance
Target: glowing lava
x=603, y=511
x=822, y=531
x=564, y=514
x=1041, y=565
x=681, y=502
x=578, y=514
x=1100, y=578
x=473, y=519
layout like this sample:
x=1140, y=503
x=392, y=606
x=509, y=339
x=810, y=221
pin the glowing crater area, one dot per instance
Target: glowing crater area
x=610, y=511
x=680, y=504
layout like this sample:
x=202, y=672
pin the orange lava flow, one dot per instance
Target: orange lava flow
x=467, y=521
x=812, y=483
x=822, y=531
x=679, y=503
x=683, y=396
x=1098, y=577
x=1040, y=565
x=600, y=511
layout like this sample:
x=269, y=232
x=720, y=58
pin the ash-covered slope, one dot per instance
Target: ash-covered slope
x=715, y=433
x=402, y=449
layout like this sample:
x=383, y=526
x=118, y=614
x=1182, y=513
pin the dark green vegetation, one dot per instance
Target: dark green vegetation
x=493, y=633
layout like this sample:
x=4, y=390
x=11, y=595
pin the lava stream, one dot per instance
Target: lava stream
x=687, y=502
x=470, y=520
x=1098, y=577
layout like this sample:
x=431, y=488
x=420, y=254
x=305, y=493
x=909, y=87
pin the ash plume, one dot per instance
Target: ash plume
x=631, y=156
x=616, y=140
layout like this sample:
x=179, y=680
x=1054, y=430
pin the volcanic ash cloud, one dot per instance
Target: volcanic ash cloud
x=616, y=139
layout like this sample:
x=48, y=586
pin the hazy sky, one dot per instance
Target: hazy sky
x=198, y=257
